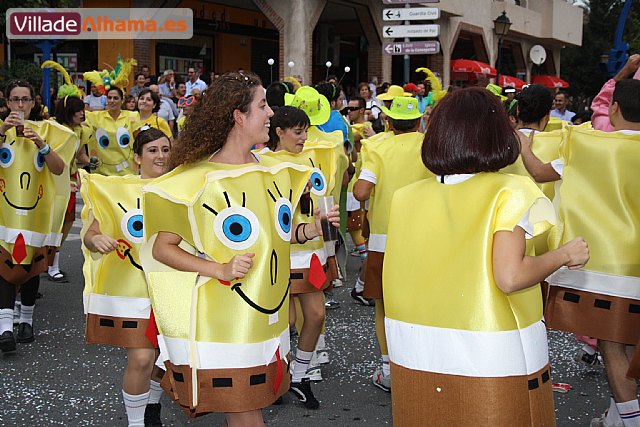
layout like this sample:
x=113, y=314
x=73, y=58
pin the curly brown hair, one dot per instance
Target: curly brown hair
x=211, y=120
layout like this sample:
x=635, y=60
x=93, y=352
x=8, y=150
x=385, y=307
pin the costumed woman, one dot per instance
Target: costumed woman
x=70, y=113
x=35, y=190
x=113, y=128
x=148, y=106
x=116, y=298
x=218, y=264
x=470, y=341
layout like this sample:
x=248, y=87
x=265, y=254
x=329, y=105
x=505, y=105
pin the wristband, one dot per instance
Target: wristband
x=45, y=150
x=304, y=229
x=298, y=238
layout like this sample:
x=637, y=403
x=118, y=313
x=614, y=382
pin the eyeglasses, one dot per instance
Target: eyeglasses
x=352, y=108
x=186, y=101
x=18, y=100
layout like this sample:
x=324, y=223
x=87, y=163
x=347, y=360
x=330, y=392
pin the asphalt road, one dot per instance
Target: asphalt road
x=58, y=380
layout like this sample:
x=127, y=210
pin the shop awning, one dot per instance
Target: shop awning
x=509, y=81
x=549, y=81
x=470, y=66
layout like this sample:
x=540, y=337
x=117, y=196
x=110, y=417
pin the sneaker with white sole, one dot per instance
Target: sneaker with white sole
x=586, y=355
x=601, y=422
x=336, y=283
x=358, y=296
x=381, y=381
x=302, y=391
x=314, y=372
x=322, y=357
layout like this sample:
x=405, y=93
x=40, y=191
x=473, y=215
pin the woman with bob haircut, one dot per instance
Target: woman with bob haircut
x=224, y=246
x=470, y=341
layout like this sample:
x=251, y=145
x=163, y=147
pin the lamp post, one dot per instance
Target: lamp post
x=501, y=27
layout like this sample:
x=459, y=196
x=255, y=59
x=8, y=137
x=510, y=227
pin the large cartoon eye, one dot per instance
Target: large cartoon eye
x=123, y=137
x=318, y=182
x=283, y=218
x=236, y=227
x=102, y=137
x=38, y=161
x=7, y=155
x=132, y=225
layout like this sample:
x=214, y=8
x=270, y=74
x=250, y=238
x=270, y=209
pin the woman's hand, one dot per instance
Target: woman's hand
x=12, y=120
x=333, y=216
x=577, y=252
x=237, y=268
x=32, y=135
x=104, y=244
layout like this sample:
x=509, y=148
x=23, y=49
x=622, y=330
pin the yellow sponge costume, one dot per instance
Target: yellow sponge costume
x=459, y=336
x=599, y=201
x=225, y=344
x=116, y=300
x=112, y=141
x=33, y=201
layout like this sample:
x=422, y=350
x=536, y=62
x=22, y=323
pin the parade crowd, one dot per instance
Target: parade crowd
x=480, y=216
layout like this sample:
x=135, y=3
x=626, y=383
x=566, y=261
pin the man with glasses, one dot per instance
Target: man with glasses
x=194, y=81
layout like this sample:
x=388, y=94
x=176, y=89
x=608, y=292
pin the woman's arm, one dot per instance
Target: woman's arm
x=541, y=172
x=303, y=232
x=166, y=250
x=95, y=241
x=53, y=161
x=514, y=271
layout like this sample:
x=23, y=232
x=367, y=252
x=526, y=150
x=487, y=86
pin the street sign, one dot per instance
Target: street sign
x=415, y=13
x=409, y=1
x=393, y=31
x=412, y=48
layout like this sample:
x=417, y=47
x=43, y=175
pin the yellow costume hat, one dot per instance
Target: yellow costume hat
x=118, y=77
x=394, y=91
x=436, y=93
x=403, y=108
x=315, y=105
x=67, y=89
x=496, y=90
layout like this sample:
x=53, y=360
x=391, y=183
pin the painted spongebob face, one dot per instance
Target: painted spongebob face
x=114, y=149
x=237, y=228
x=132, y=227
x=26, y=192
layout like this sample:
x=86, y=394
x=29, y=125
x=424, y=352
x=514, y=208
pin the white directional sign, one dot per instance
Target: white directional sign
x=412, y=48
x=409, y=1
x=393, y=31
x=415, y=13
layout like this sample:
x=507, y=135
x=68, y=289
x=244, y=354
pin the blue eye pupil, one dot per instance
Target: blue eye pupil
x=317, y=181
x=104, y=142
x=5, y=155
x=124, y=140
x=40, y=160
x=284, y=218
x=135, y=225
x=236, y=228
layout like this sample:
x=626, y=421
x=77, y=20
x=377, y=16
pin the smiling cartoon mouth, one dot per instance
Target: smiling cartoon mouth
x=25, y=208
x=261, y=309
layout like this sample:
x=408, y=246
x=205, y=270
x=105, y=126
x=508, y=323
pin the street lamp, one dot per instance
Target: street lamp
x=501, y=27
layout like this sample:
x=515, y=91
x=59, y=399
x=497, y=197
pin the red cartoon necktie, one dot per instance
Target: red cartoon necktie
x=19, y=249
x=317, y=276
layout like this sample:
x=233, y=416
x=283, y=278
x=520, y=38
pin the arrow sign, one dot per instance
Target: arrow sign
x=409, y=1
x=415, y=13
x=393, y=31
x=412, y=48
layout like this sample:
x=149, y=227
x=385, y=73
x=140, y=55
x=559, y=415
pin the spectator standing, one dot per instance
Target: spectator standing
x=95, y=101
x=148, y=78
x=140, y=84
x=194, y=81
x=561, y=102
x=167, y=84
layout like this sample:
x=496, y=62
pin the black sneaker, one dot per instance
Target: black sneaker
x=7, y=342
x=369, y=302
x=303, y=392
x=25, y=333
x=152, y=415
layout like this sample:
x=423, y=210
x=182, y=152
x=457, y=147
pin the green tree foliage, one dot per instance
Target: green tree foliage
x=23, y=70
x=581, y=64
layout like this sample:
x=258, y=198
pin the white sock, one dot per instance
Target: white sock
x=55, y=268
x=17, y=304
x=386, y=369
x=155, y=392
x=359, y=285
x=321, y=345
x=135, y=405
x=303, y=358
x=612, y=416
x=630, y=413
x=26, y=314
x=6, y=320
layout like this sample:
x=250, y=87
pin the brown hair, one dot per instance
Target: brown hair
x=211, y=120
x=469, y=132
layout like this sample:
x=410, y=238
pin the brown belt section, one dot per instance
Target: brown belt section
x=373, y=277
x=354, y=220
x=18, y=274
x=428, y=399
x=596, y=315
x=225, y=390
x=300, y=281
x=118, y=331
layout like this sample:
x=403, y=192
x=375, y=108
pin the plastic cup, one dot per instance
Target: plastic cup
x=20, y=126
x=329, y=232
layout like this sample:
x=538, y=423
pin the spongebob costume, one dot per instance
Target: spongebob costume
x=459, y=337
x=598, y=200
x=112, y=141
x=34, y=200
x=323, y=155
x=224, y=344
x=116, y=299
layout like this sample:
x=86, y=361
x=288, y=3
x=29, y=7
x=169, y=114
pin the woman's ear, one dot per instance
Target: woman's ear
x=137, y=159
x=238, y=116
x=279, y=132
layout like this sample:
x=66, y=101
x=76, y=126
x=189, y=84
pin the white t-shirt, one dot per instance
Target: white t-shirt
x=96, y=102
